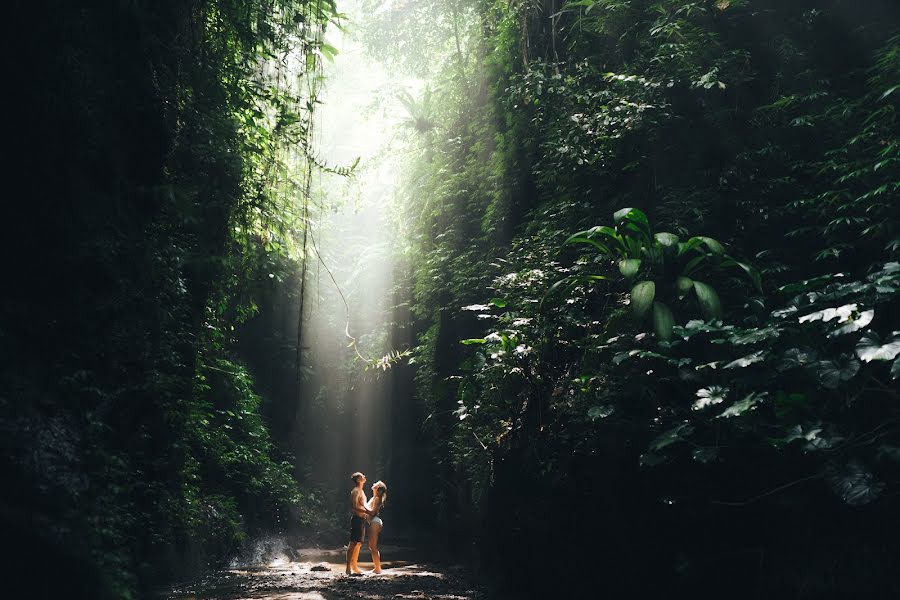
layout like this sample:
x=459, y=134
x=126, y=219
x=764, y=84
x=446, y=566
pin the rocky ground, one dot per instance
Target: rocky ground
x=319, y=575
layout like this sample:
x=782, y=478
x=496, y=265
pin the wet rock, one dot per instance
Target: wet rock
x=320, y=567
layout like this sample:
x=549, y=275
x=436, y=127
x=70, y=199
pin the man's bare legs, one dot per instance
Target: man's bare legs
x=353, y=564
x=352, y=556
x=373, y=547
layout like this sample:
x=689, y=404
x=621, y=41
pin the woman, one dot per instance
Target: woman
x=379, y=497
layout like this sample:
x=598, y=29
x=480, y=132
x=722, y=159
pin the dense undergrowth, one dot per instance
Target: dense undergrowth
x=702, y=390
x=162, y=146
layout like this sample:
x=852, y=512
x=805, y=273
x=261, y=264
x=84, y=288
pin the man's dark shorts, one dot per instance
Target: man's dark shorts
x=357, y=529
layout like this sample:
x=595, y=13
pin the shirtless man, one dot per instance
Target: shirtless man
x=357, y=522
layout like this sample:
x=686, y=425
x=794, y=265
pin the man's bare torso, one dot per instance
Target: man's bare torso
x=354, y=503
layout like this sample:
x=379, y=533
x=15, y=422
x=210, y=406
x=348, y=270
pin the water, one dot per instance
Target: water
x=318, y=574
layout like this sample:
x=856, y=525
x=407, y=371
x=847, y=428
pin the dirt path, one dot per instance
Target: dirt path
x=319, y=575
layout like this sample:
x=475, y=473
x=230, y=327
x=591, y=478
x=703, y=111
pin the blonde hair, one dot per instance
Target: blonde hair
x=380, y=488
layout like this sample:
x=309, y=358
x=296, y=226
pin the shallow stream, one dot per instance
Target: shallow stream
x=318, y=574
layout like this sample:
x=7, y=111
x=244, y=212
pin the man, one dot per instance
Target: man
x=358, y=522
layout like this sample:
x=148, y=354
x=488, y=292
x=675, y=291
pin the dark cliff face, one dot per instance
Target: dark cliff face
x=128, y=167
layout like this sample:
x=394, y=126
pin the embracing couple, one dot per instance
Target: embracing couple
x=365, y=517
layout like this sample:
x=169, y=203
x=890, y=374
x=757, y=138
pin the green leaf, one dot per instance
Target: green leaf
x=710, y=305
x=629, y=266
x=832, y=373
x=714, y=246
x=748, y=402
x=855, y=323
x=751, y=272
x=498, y=302
x=642, y=297
x=600, y=412
x=746, y=361
x=582, y=239
x=328, y=51
x=666, y=239
x=472, y=341
x=631, y=214
x=672, y=436
x=683, y=285
x=853, y=483
x=663, y=321
x=714, y=394
x=870, y=347
x=895, y=369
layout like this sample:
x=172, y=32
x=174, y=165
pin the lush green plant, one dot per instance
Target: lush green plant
x=642, y=254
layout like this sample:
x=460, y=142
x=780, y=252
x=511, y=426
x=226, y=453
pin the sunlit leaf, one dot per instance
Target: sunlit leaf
x=854, y=323
x=746, y=361
x=714, y=246
x=684, y=285
x=666, y=239
x=743, y=405
x=842, y=313
x=870, y=347
x=629, y=266
x=714, y=394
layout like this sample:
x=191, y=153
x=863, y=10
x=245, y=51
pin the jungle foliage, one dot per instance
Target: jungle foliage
x=162, y=147
x=713, y=404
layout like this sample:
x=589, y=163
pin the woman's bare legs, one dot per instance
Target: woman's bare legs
x=374, y=531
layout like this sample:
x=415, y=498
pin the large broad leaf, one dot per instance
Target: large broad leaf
x=870, y=347
x=642, y=295
x=629, y=266
x=714, y=394
x=663, y=321
x=841, y=313
x=797, y=357
x=746, y=361
x=633, y=220
x=751, y=272
x=696, y=242
x=746, y=403
x=631, y=214
x=853, y=483
x=714, y=246
x=710, y=305
x=666, y=239
x=856, y=322
x=672, y=436
x=833, y=372
x=683, y=285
